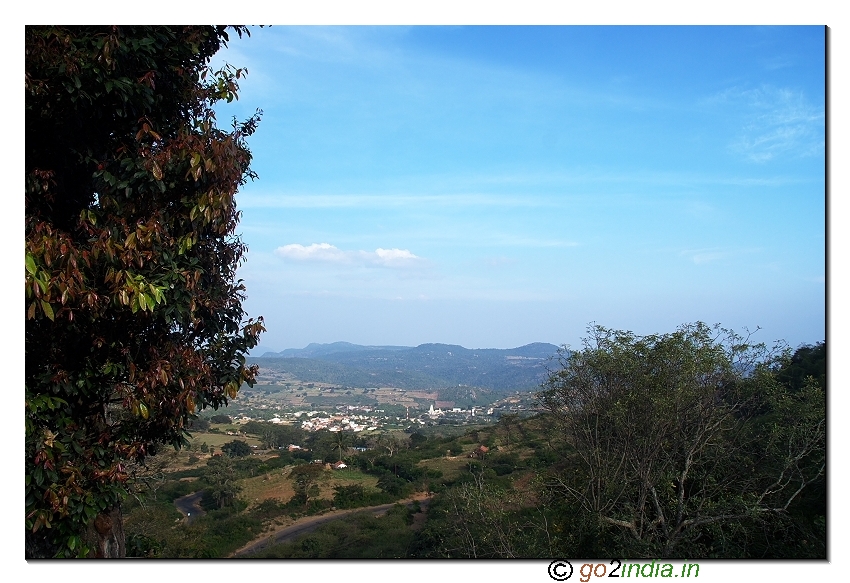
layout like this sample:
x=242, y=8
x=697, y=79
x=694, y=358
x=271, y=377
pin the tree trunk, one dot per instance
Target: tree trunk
x=106, y=535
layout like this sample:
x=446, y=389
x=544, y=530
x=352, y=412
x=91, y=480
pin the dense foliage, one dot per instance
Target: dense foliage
x=134, y=317
x=359, y=536
x=236, y=448
x=686, y=444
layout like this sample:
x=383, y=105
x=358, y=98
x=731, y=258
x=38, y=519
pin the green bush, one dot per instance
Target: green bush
x=142, y=547
x=349, y=496
x=358, y=536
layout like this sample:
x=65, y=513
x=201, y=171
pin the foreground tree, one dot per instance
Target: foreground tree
x=134, y=317
x=683, y=444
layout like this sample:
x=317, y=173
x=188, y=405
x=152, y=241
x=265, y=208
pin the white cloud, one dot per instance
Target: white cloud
x=392, y=257
x=314, y=252
x=327, y=253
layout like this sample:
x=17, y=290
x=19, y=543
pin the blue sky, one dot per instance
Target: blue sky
x=495, y=186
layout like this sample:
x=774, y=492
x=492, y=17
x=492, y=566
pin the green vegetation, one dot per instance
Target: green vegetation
x=274, y=436
x=688, y=444
x=358, y=536
x=236, y=448
x=157, y=531
x=220, y=475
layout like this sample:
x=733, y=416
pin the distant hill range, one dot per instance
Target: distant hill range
x=427, y=366
x=319, y=350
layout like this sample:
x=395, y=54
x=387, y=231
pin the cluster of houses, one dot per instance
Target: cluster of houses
x=357, y=418
x=444, y=407
x=341, y=423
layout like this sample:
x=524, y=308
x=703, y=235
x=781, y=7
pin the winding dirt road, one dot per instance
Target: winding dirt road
x=311, y=523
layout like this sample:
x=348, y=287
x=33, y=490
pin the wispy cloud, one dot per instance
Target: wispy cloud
x=520, y=241
x=777, y=121
x=339, y=44
x=499, y=261
x=470, y=190
x=383, y=201
x=714, y=254
x=327, y=253
x=779, y=62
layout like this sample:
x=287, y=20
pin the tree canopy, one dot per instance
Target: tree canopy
x=236, y=448
x=221, y=478
x=685, y=444
x=134, y=316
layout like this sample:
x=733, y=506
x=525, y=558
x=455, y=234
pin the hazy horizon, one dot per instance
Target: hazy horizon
x=259, y=351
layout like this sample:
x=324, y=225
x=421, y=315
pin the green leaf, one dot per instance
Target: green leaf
x=30, y=264
x=143, y=409
x=48, y=310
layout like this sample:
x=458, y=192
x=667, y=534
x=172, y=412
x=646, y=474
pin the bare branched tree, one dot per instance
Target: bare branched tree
x=674, y=434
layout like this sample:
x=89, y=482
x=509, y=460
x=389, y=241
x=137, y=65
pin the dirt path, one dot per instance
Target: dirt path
x=310, y=523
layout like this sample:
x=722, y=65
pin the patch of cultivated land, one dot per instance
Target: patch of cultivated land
x=450, y=466
x=274, y=485
x=218, y=439
x=170, y=460
x=278, y=485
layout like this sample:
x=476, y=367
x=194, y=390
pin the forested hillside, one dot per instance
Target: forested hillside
x=424, y=367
